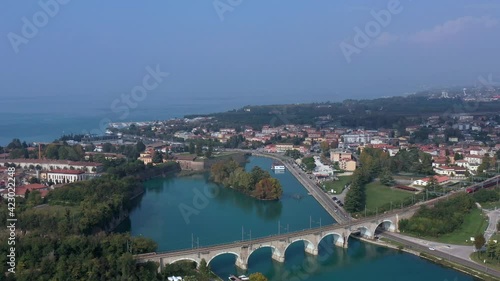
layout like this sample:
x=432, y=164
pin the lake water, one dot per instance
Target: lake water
x=181, y=212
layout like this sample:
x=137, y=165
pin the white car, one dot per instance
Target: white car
x=432, y=249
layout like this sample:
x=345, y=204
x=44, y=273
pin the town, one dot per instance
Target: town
x=360, y=172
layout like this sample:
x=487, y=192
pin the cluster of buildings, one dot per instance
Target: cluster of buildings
x=49, y=172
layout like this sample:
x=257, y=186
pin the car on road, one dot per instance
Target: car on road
x=432, y=249
x=334, y=198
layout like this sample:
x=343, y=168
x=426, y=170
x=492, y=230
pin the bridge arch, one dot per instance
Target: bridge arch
x=223, y=253
x=274, y=251
x=387, y=225
x=308, y=245
x=338, y=239
x=366, y=232
x=185, y=259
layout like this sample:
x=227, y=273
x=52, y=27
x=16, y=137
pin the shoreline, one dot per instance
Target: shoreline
x=431, y=258
x=335, y=215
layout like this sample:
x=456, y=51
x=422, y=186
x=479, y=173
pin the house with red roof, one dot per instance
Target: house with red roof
x=21, y=190
x=440, y=180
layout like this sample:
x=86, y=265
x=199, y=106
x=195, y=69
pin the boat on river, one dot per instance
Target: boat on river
x=277, y=166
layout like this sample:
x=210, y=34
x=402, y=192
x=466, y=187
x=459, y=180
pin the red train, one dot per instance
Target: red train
x=486, y=184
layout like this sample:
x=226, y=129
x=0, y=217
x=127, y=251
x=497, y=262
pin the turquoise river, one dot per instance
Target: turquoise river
x=182, y=212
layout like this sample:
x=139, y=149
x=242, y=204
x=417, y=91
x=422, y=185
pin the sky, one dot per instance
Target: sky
x=253, y=51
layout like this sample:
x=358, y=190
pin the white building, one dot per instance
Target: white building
x=64, y=176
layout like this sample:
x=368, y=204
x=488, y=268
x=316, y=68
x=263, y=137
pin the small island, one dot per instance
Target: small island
x=258, y=183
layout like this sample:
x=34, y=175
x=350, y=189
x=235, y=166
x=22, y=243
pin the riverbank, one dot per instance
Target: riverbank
x=319, y=195
x=388, y=243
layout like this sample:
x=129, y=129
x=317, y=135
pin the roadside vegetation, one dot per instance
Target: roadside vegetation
x=452, y=221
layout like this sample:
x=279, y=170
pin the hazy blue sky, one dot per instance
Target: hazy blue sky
x=261, y=50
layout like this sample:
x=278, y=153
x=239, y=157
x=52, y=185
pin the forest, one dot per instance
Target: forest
x=393, y=112
x=258, y=183
x=64, y=237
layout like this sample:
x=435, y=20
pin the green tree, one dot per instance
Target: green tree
x=479, y=241
x=458, y=156
x=34, y=180
x=204, y=270
x=199, y=149
x=485, y=165
x=51, y=151
x=257, y=277
x=386, y=177
x=192, y=148
x=140, y=146
x=491, y=248
x=157, y=157
x=325, y=147
x=210, y=150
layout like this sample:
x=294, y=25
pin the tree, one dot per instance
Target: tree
x=309, y=163
x=485, y=165
x=458, y=156
x=157, y=157
x=268, y=188
x=191, y=148
x=491, y=248
x=34, y=180
x=204, y=269
x=293, y=153
x=210, y=150
x=14, y=144
x=386, y=177
x=479, y=241
x=140, y=146
x=257, y=277
x=199, y=149
x=325, y=147
x=432, y=184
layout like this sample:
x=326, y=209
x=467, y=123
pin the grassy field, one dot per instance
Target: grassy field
x=474, y=223
x=378, y=194
x=337, y=186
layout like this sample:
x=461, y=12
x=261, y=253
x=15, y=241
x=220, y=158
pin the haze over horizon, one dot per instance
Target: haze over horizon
x=252, y=52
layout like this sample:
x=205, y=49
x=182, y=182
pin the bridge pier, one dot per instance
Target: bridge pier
x=241, y=264
x=277, y=256
x=312, y=251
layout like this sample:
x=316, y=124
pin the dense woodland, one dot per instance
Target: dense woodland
x=258, y=183
x=393, y=112
x=62, y=237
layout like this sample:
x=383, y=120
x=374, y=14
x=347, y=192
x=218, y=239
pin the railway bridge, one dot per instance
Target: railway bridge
x=366, y=227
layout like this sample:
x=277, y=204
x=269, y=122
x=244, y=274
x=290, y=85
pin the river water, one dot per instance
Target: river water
x=182, y=212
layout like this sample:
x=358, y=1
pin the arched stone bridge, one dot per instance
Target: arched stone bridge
x=279, y=243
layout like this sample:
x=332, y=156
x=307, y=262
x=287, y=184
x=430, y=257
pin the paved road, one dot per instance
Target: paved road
x=493, y=218
x=323, y=198
x=461, y=251
x=455, y=255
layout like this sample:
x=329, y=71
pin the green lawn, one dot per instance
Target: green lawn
x=337, y=186
x=474, y=223
x=378, y=194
